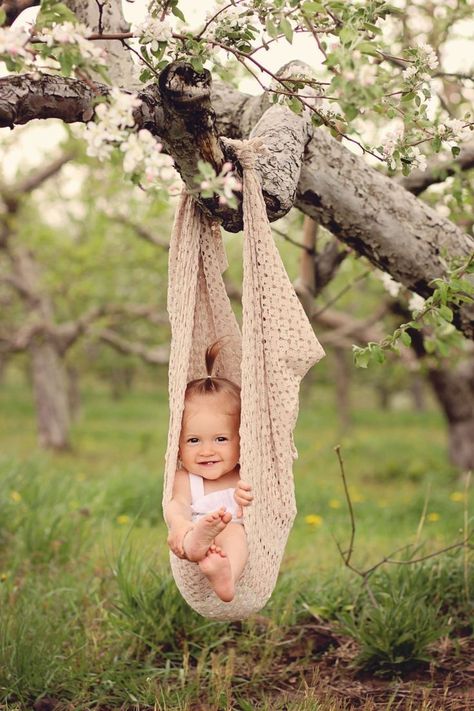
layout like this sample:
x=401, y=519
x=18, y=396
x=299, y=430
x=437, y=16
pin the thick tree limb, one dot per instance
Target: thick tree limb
x=360, y=206
x=380, y=219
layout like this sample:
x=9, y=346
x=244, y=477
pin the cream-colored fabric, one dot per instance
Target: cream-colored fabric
x=276, y=349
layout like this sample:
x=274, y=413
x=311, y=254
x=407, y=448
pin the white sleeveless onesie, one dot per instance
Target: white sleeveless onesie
x=202, y=504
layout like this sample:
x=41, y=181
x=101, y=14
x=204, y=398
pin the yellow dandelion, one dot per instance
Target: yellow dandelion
x=123, y=519
x=15, y=496
x=334, y=504
x=3, y=577
x=457, y=496
x=433, y=516
x=314, y=519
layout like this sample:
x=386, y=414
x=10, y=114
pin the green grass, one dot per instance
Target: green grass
x=88, y=610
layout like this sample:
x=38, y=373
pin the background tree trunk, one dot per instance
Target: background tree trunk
x=50, y=390
x=454, y=390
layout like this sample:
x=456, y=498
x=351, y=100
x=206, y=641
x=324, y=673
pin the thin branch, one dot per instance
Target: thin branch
x=289, y=239
x=12, y=194
x=154, y=356
x=341, y=293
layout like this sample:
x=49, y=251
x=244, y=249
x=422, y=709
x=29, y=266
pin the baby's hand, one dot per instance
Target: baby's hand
x=175, y=539
x=242, y=496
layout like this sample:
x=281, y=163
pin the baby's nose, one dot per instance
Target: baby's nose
x=206, y=448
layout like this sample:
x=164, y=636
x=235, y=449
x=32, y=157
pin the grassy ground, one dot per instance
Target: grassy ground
x=90, y=616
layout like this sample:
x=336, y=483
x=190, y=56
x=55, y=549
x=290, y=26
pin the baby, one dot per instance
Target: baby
x=204, y=515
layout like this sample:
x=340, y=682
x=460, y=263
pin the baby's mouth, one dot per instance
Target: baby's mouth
x=207, y=464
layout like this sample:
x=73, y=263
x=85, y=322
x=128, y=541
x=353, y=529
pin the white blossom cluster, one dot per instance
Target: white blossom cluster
x=13, y=41
x=110, y=128
x=390, y=285
x=224, y=183
x=230, y=19
x=141, y=152
x=453, y=131
x=416, y=303
x=14, y=44
x=418, y=71
x=391, y=142
x=417, y=158
x=152, y=31
x=73, y=34
x=394, y=141
x=428, y=56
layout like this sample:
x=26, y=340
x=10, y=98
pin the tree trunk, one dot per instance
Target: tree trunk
x=51, y=395
x=417, y=391
x=454, y=390
x=73, y=393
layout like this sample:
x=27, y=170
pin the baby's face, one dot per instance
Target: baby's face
x=209, y=444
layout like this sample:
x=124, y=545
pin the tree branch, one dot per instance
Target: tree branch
x=154, y=356
x=438, y=170
x=371, y=213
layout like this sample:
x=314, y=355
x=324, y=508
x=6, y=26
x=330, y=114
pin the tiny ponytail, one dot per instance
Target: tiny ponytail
x=213, y=384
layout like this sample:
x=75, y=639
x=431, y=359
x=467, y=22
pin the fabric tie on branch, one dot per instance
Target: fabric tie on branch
x=268, y=360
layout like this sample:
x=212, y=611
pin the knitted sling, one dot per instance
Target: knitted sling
x=276, y=348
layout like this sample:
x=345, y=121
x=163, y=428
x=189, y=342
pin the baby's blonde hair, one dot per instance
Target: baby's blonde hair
x=213, y=385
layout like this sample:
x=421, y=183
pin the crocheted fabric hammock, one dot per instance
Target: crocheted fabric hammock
x=276, y=348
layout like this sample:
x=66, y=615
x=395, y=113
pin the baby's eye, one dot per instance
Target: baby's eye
x=192, y=440
x=222, y=439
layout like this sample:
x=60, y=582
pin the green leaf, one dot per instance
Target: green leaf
x=52, y=11
x=177, y=12
x=3, y=16
x=287, y=29
x=361, y=356
x=377, y=353
x=312, y=7
x=347, y=35
x=409, y=96
x=455, y=150
x=295, y=105
x=368, y=48
x=405, y=338
x=271, y=27
x=436, y=143
x=372, y=28
x=351, y=112
x=446, y=313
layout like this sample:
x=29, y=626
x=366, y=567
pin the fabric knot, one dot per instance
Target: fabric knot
x=247, y=151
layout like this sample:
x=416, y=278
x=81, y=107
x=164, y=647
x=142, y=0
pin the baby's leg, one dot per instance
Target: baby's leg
x=223, y=565
x=198, y=539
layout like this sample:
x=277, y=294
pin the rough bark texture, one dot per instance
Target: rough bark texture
x=120, y=66
x=379, y=219
x=368, y=211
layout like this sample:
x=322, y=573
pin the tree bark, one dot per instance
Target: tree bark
x=363, y=208
x=107, y=18
x=50, y=391
x=454, y=390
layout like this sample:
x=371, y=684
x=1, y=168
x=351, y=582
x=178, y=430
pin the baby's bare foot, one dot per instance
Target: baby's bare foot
x=197, y=541
x=216, y=568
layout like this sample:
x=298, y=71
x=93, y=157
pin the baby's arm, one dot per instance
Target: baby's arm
x=178, y=513
x=243, y=496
